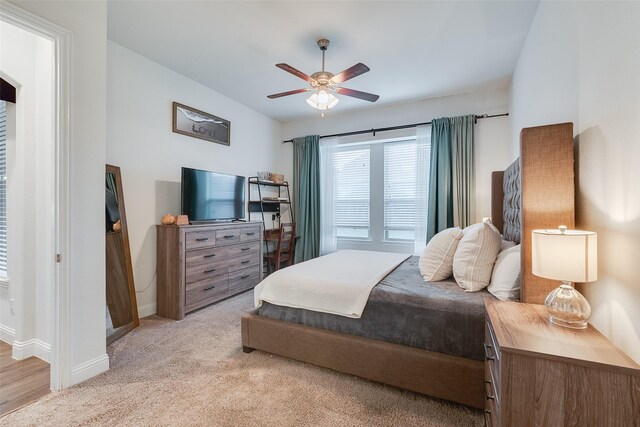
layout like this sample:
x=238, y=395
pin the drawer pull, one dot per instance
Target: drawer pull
x=245, y=276
x=486, y=392
x=246, y=262
x=250, y=234
x=210, y=255
x=487, y=418
x=230, y=236
x=210, y=271
x=245, y=249
x=202, y=239
x=208, y=289
x=486, y=352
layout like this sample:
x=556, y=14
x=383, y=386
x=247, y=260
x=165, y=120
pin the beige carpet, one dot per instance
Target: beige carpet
x=193, y=372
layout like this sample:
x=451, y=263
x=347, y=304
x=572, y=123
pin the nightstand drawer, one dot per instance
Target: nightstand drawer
x=492, y=353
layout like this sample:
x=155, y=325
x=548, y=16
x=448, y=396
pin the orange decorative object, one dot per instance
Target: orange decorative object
x=182, y=220
x=168, y=219
x=117, y=226
x=277, y=178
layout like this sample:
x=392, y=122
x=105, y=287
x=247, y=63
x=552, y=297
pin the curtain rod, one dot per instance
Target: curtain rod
x=373, y=131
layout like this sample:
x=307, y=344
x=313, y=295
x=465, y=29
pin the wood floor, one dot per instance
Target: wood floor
x=21, y=381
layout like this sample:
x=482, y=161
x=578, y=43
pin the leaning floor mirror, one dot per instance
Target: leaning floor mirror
x=122, y=308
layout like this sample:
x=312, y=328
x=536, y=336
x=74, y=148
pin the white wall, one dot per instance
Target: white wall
x=150, y=155
x=27, y=60
x=492, y=145
x=88, y=23
x=581, y=63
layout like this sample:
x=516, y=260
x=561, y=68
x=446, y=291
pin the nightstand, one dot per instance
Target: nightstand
x=540, y=374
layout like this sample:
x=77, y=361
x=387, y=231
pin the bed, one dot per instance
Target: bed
x=536, y=191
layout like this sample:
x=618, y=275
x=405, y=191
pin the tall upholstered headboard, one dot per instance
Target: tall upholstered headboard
x=536, y=191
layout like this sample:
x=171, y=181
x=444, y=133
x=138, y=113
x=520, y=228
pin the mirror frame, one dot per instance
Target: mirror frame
x=123, y=330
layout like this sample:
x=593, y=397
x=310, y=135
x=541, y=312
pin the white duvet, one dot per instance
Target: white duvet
x=338, y=283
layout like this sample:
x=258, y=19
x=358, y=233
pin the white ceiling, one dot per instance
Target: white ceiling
x=416, y=50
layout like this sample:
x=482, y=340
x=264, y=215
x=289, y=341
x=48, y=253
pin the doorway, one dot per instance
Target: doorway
x=35, y=293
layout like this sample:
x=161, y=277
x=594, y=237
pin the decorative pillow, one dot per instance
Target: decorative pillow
x=436, y=262
x=506, y=244
x=475, y=256
x=505, y=279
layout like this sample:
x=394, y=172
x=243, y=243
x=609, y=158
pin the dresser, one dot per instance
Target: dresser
x=202, y=264
x=539, y=374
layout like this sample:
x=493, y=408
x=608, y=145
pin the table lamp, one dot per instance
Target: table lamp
x=568, y=256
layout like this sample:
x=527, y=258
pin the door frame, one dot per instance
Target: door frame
x=61, y=108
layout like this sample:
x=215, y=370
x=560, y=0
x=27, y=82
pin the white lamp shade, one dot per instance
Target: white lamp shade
x=571, y=256
x=315, y=100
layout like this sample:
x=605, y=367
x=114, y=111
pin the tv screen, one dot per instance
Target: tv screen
x=211, y=196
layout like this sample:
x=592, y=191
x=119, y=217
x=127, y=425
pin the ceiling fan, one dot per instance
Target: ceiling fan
x=323, y=83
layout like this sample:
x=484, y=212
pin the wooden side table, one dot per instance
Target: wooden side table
x=539, y=374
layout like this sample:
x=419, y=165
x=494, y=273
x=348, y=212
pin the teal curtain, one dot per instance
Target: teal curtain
x=451, y=178
x=463, y=172
x=306, y=181
x=440, y=208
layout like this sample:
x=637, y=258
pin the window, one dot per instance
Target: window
x=3, y=190
x=379, y=189
x=400, y=172
x=352, y=167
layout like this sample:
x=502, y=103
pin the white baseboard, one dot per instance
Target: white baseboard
x=147, y=310
x=7, y=334
x=33, y=347
x=89, y=369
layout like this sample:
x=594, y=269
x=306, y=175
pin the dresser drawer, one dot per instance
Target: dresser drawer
x=200, y=239
x=249, y=234
x=204, y=291
x=206, y=271
x=208, y=256
x=226, y=237
x=243, y=279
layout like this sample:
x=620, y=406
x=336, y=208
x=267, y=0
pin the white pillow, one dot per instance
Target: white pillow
x=505, y=279
x=436, y=262
x=506, y=244
x=475, y=256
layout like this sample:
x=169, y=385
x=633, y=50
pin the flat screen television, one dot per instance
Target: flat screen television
x=212, y=196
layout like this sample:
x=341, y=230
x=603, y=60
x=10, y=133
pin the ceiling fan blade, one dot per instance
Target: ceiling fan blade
x=289, y=69
x=291, y=92
x=357, y=94
x=350, y=73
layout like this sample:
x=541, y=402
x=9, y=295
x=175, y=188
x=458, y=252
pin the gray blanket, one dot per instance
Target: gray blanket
x=404, y=309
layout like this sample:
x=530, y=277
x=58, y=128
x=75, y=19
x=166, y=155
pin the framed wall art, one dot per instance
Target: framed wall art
x=198, y=124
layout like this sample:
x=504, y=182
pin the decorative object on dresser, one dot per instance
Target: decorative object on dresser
x=540, y=375
x=569, y=256
x=202, y=264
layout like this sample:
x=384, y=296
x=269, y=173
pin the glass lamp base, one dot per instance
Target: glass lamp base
x=567, y=307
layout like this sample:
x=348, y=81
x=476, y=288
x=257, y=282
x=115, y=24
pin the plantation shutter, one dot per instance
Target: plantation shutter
x=400, y=171
x=352, y=170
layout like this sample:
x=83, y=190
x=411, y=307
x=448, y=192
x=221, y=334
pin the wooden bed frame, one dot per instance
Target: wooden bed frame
x=546, y=201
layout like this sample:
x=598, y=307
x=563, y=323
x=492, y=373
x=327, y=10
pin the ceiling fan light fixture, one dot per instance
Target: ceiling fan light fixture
x=315, y=100
x=323, y=97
